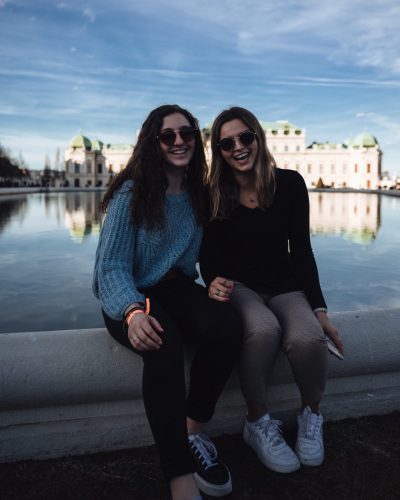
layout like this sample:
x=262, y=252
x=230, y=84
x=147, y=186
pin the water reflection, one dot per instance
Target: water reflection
x=83, y=216
x=354, y=216
x=9, y=208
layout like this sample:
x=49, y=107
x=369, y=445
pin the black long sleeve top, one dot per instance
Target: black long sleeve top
x=267, y=250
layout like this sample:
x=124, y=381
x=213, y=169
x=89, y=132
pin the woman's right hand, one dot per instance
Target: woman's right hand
x=220, y=289
x=143, y=332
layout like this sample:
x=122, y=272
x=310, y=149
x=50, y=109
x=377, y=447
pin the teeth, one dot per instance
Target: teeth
x=241, y=156
x=178, y=151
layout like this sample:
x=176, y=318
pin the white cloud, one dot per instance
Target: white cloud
x=89, y=14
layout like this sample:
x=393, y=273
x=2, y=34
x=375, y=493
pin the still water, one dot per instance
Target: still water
x=48, y=242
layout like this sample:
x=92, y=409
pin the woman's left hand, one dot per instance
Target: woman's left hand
x=330, y=330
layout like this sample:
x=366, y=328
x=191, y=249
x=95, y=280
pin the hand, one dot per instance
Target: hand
x=220, y=289
x=330, y=330
x=143, y=332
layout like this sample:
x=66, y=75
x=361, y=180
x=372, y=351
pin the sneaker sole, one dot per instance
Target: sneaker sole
x=310, y=462
x=213, y=490
x=283, y=469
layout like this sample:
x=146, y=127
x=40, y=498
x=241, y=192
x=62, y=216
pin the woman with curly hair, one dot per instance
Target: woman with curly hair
x=257, y=255
x=145, y=275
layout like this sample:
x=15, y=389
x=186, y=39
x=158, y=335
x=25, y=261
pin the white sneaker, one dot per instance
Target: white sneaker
x=264, y=436
x=310, y=443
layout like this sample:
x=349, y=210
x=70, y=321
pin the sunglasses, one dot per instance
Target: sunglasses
x=168, y=136
x=246, y=138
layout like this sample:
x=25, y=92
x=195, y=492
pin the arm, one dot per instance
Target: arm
x=301, y=252
x=115, y=286
x=304, y=261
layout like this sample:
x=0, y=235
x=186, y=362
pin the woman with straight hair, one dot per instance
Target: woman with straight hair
x=145, y=275
x=256, y=254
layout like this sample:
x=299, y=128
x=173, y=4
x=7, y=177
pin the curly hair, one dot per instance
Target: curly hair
x=224, y=190
x=146, y=167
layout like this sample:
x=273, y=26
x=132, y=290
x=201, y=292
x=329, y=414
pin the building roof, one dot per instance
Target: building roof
x=80, y=141
x=364, y=140
x=97, y=145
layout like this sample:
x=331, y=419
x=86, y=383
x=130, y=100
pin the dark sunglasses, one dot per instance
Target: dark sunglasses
x=246, y=138
x=168, y=136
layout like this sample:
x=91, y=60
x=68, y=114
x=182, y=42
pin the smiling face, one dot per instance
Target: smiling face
x=180, y=152
x=240, y=158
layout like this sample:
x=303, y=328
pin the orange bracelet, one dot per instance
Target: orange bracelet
x=130, y=315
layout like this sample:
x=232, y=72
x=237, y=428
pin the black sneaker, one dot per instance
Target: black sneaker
x=212, y=477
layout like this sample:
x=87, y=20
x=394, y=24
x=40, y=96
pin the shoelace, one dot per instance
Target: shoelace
x=272, y=429
x=311, y=425
x=204, y=448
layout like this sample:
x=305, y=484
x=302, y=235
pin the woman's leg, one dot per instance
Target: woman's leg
x=304, y=344
x=261, y=344
x=164, y=393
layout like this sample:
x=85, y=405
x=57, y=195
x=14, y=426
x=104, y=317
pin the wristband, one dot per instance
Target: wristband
x=136, y=310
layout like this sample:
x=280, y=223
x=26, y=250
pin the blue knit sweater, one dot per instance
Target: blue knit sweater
x=130, y=258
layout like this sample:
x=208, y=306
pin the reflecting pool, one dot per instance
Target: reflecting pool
x=48, y=242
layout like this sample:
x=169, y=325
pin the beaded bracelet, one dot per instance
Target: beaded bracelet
x=320, y=309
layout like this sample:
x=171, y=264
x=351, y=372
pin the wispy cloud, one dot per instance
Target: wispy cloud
x=89, y=14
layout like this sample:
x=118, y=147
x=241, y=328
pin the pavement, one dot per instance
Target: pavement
x=362, y=463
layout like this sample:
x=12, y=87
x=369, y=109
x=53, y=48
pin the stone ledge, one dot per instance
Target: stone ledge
x=78, y=391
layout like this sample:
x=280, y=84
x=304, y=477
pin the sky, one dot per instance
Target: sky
x=99, y=67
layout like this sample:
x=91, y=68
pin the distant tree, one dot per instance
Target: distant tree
x=9, y=168
x=320, y=183
x=46, y=172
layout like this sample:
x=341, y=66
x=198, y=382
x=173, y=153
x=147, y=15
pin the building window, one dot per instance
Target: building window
x=321, y=168
x=368, y=168
x=99, y=168
x=309, y=168
x=89, y=167
x=274, y=148
x=344, y=168
x=110, y=168
x=297, y=166
x=285, y=165
x=332, y=168
x=286, y=149
x=297, y=148
x=355, y=168
x=76, y=168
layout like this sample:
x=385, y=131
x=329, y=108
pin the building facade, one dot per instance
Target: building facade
x=93, y=163
x=355, y=163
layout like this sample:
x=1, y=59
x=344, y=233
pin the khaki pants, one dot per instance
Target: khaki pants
x=272, y=323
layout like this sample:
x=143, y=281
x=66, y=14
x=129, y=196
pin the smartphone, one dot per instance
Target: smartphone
x=332, y=348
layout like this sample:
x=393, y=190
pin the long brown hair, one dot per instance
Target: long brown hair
x=224, y=190
x=146, y=167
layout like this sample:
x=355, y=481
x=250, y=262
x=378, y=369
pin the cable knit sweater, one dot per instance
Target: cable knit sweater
x=130, y=258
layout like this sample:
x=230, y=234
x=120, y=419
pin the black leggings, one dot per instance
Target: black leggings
x=185, y=311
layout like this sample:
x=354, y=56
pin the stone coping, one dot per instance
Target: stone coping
x=78, y=391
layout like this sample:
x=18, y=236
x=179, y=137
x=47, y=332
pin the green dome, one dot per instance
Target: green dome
x=363, y=140
x=80, y=141
x=97, y=145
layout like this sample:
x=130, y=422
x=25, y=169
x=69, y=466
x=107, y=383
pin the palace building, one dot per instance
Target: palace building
x=355, y=163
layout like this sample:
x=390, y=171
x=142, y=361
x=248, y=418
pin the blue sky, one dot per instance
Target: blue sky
x=99, y=67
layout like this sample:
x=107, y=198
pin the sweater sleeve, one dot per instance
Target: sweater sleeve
x=210, y=252
x=301, y=251
x=113, y=277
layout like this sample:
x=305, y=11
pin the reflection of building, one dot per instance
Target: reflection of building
x=355, y=164
x=356, y=216
x=83, y=216
x=92, y=163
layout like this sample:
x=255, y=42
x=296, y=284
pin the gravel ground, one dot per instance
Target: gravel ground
x=362, y=462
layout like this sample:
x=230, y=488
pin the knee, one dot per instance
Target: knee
x=225, y=325
x=308, y=340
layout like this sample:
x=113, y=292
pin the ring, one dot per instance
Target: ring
x=218, y=292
